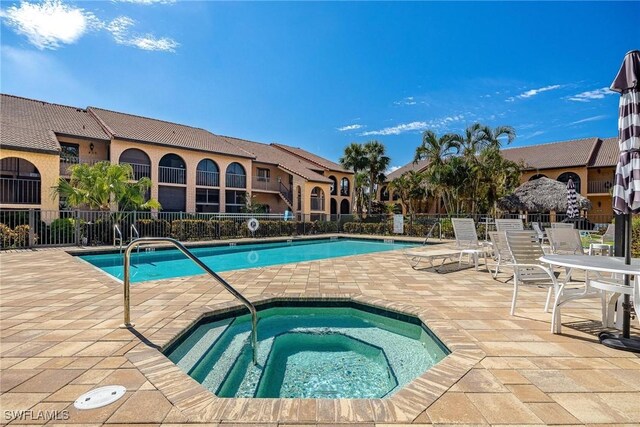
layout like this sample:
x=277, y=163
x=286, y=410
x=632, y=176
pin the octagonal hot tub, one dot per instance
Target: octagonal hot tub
x=308, y=349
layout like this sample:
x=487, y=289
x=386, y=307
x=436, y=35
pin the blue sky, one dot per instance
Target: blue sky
x=322, y=75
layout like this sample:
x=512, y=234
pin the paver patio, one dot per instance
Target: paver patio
x=60, y=338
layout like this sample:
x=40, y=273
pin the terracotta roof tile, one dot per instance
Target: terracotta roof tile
x=28, y=124
x=144, y=129
x=607, y=154
x=269, y=154
x=313, y=158
x=576, y=152
x=420, y=166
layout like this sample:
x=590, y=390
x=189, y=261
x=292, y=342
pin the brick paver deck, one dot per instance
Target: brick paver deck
x=60, y=338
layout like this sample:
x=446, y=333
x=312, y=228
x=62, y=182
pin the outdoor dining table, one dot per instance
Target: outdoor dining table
x=600, y=264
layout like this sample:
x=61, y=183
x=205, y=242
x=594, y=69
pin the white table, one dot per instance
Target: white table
x=600, y=264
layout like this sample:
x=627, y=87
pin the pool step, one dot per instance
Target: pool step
x=191, y=351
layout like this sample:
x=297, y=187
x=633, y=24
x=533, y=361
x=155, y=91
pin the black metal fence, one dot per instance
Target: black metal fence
x=33, y=227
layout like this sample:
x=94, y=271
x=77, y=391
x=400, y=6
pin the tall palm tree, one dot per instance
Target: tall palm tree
x=493, y=136
x=354, y=159
x=377, y=163
x=411, y=190
x=435, y=149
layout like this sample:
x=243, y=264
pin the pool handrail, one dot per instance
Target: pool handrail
x=192, y=257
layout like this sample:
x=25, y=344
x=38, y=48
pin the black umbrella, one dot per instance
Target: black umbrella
x=626, y=190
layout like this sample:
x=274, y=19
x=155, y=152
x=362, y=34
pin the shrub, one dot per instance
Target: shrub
x=635, y=237
x=153, y=227
x=63, y=230
x=7, y=236
x=193, y=229
x=21, y=236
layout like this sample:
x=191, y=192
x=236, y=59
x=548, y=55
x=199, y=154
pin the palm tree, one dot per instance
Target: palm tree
x=435, y=149
x=377, y=163
x=360, y=182
x=411, y=190
x=96, y=187
x=354, y=159
x=493, y=136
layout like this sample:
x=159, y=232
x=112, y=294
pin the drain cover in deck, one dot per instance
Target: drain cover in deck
x=99, y=397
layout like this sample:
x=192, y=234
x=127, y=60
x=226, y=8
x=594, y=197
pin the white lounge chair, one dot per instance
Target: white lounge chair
x=525, y=252
x=542, y=236
x=563, y=225
x=467, y=240
x=509, y=224
x=565, y=241
x=501, y=253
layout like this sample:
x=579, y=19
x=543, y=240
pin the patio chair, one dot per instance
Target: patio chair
x=509, y=224
x=501, y=253
x=467, y=240
x=542, y=236
x=525, y=250
x=565, y=241
x=616, y=287
x=563, y=225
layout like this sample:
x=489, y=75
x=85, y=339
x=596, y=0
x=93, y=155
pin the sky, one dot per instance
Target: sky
x=322, y=75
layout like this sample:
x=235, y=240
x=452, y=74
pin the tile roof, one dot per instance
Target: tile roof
x=313, y=158
x=563, y=154
x=608, y=153
x=420, y=166
x=32, y=125
x=269, y=154
x=144, y=129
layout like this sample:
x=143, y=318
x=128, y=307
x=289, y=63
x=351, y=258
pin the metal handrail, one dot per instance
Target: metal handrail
x=116, y=230
x=134, y=231
x=439, y=225
x=192, y=257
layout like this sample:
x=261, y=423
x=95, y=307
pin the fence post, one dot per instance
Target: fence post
x=77, y=224
x=32, y=224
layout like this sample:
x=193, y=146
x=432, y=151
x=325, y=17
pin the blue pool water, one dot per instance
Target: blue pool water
x=308, y=352
x=164, y=264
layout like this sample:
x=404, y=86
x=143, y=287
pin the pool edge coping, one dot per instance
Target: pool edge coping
x=198, y=404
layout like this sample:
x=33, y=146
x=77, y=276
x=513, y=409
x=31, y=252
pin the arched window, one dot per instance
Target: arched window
x=565, y=177
x=173, y=169
x=19, y=182
x=537, y=176
x=344, y=187
x=344, y=207
x=139, y=161
x=384, y=194
x=334, y=207
x=236, y=177
x=207, y=173
x=334, y=185
x=299, y=195
x=317, y=199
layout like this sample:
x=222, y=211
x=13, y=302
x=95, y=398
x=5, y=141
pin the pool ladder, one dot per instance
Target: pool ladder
x=153, y=240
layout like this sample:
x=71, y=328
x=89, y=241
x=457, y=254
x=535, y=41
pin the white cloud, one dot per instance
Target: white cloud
x=392, y=169
x=534, y=92
x=147, y=2
x=350, y=127
x=533, y=134
x=409, y=100
x=49, y=24
x=589, y=119
x=591, y=95
x=417, y=126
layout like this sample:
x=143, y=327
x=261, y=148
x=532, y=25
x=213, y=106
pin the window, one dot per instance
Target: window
x=264, y=175
x=69, y=152
x=565, y=177
x=207, y=200
x=235, y=201
x=344, y=187
x=384, y=194
x=334, y=186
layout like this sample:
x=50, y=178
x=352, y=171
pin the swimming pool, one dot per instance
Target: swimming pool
x=164, y=264
x=309, y=349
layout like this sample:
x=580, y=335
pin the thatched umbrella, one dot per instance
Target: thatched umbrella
x=540, y=195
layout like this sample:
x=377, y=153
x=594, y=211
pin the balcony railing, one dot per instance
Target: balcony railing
x=208, y=179
x=67, y=162
x=264, y=183
x=317, y=204
x=170, y=175
x=233, y=180
x=20, y=191
x=139, y=170
x=600, y=186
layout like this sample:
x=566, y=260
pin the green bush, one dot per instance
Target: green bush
x=194, y=229
x=21, y=236
x=7, y=236
x=635, y=237
x=153, y=227
x=63, y=230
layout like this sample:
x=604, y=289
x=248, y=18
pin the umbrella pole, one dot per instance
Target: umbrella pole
x=623, y=342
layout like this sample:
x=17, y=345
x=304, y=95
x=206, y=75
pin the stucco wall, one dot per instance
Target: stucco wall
x=49, y=167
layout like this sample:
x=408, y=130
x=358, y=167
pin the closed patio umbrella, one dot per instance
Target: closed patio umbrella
x=626, y=190
x=572, y=200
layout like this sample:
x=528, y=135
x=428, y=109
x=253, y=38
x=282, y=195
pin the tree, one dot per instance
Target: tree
x=97, y=187
x=360, y=183
x=354, y=159
x=411, y=190
x=436, y=150
x=377, y=163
